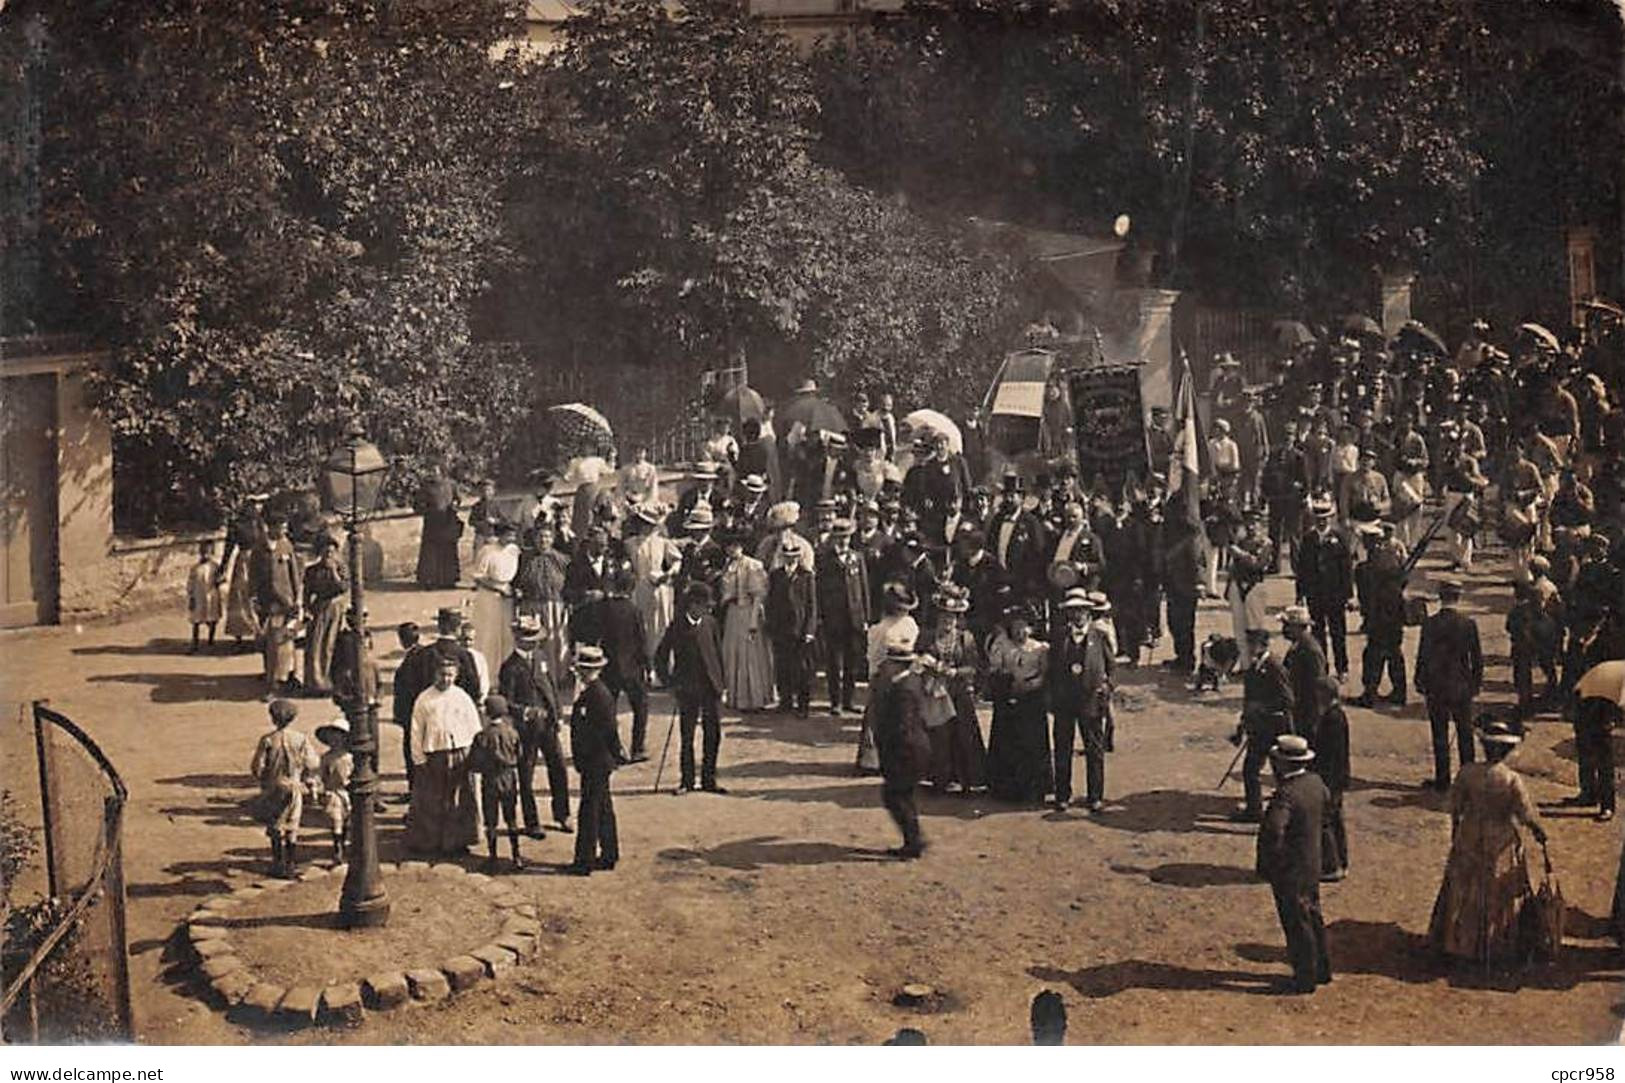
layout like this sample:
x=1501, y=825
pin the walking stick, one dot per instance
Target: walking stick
x=665, y=748
x=1240, y=749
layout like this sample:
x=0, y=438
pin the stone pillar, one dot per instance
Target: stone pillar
x=1396, y=299
x=84, y=499
x=1154, y=347
x=1580, y=244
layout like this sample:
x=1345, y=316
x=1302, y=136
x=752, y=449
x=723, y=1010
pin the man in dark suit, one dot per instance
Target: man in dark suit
x=792, y=627
x=620, y=633
x=689, y=661
x=1079, y=686
x=1289, y=859
x=1326, y=583
x=406, y=691
x=843, y=613
x=586, y=582
x=526, y=682
x=900, y=739
x=1179, y=563
x=975, y=569
x=1017, y=540
x=1266, y=713
x=1285, y=481
x=595, y=746
x=1305, y=666
x=1449, y=672
x=1382, y=586
x=703, y=558
x=426, y=661
x=877, y=547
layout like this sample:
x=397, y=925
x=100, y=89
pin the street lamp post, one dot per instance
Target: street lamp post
x=353, y=478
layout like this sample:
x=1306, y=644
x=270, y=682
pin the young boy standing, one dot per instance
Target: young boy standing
x=281, y=761
x=494, y=755
x=203, y=605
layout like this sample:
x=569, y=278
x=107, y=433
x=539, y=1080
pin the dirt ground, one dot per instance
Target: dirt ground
x=769, y=916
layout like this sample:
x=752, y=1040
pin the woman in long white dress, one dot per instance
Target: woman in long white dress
x=747, y=661
x=495, y=566
x=656, y=562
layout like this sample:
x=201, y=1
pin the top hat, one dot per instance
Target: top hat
x=1011, y=483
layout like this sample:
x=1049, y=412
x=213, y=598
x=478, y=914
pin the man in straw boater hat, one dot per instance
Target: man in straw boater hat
x=900, y=737
x=1326, y=582
x=595, y=746
x=1305, y=666
x=1449, y=673
x=530, y=687
x=1079, y=680
x=689, y=661
x=1289, y=858
x=843, y=613
x=792, y=626
x=1266, y=713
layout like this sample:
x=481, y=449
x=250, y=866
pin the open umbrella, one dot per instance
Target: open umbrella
x=811, y=413
x=1291, y=334
x=1540, y=335
x=935, y=422
x=1416, y=335
x=1605, y=680
x=580, y=430
x=741, y=403
x=1358, y=324
x=1597, y=304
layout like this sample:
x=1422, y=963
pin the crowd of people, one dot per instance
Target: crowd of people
x=869, y=554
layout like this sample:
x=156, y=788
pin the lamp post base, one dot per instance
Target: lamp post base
x=370, y=913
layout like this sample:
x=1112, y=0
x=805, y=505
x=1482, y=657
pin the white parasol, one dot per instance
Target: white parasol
x=936, y=422
x=1605, y=680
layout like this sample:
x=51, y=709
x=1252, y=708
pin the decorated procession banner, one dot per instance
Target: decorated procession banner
x=1108, y=422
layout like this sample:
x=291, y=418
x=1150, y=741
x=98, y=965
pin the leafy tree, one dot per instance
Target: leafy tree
x=277, y=216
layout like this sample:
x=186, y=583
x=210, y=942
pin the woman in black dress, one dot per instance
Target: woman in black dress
x=1018, y=756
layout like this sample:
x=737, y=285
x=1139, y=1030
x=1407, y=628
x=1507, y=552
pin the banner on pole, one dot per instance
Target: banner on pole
x=1109, y=423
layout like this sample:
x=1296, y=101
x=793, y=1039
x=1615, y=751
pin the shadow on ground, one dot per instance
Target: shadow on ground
x=749, y=855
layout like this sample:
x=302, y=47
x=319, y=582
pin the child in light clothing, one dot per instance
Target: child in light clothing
x=203, y=606
x=332, y=785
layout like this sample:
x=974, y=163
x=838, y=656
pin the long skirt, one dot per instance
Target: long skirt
x=320, y=639
x=1245, y=613
x=1018, y=756
x=747, y=659
x=1475, y=916
x=444, y=816
x=241, y=620
x=957, y=753
x=278, y=648
x=493, y=625
x=655, y=606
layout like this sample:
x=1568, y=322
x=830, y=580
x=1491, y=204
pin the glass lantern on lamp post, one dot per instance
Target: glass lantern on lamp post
x=353, y=480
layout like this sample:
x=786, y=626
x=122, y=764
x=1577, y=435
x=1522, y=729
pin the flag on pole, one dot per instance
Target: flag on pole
x=1190, y=455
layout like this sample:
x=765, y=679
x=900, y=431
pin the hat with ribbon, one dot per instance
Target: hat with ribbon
x=1291, y=748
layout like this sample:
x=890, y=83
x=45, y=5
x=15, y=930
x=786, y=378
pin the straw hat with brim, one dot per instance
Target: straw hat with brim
x=807, y=387
x=705, y=471
x=649, y=513
x=1499, y=733
x=1295, y=615
x=754, y=483
x=699, y=519
x=1290, y=748
x=588, y=656
x=843, y=527
x=1322, y=509
x=1076, y=598
x=334, y=732
x=527, y=628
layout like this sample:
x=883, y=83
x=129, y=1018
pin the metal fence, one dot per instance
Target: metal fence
x=73, y=983
x=1247, y=334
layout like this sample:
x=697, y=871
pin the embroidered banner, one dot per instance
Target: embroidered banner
x=1108, y=422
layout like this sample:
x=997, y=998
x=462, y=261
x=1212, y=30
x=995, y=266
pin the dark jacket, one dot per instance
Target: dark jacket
x=1305, y=665
x=1331, y=746
x=1449, y=662
x=1289, y=839
x=1325, y=569
x=405, y=687
x=843, y=592
x=1025, y=556
x=595, y=741
x=1071, y=682
x=426, y=663
x=1267, y=700
x=899, y=724
x=580, y=578
x=619, y=629
x=792, y=606
x=689, y=656
x=532, y=695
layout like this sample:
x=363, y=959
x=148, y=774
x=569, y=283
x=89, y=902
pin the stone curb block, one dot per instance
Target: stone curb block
x=341, y=1005
x=522, y=927
x=312, y=873
x=528, y=910
x=428, y=984
x=498, y=960
x=263, y=998
x=414, y=866
x=479, y=878
x=230, y=988
x=524, y=947
x=299, y=1004
x=509, y=901
x=447, y=870
x=209, y=949
x=381, y=992
x=248, y=893
x=463, y=971
x=220, y=965
x=197, y=932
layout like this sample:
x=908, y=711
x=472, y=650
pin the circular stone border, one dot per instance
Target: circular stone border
x=232, y=985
